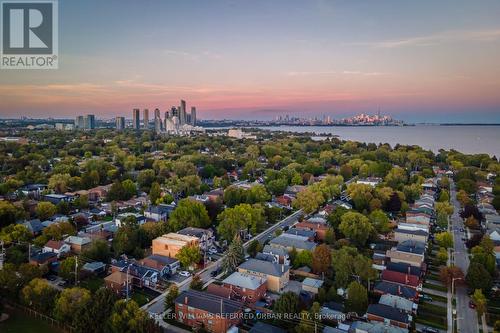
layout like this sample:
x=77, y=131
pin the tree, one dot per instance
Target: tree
x=396, y=178
x=334, y=218
x=480, y=301
x=70, y=301
x=361, y=195
x=356, y=227
x=321, y=259
x=39, y=295
x=129, y=189
x=58, y=231
x=303, y=258
x=145, y=178
x=443, y=208
x=45, y=209
x=93, y=317
x=98, y=251
x=471, y=223
x=287, y=304
x=330, y=236
x=59, y=182
x=444, y=239
x=189, y=255
x=154, y=193
x=394, y=204
x=467, y=185
x=346, y=171
x=8, y=213
x=127, y=317
x=254, y=247
x=308, y=200
x=442, y=256
x=196, y=283
x=448, y=273
x=234, y=255
x=15, y=233
x=463, y=198
x=67, y=269
x=444, y=196
x=380, y=221
x=189, y=213
x=240, y=218
x=257, y=194
x=478, y=277
x=357, y=298
x=173, y=292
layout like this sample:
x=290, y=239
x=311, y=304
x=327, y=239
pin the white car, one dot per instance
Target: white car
x=184, y=273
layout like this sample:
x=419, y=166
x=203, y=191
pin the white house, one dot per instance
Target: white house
x=57, y=247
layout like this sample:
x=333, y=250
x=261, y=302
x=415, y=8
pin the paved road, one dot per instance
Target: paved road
x=466, y=317
x=156, y=305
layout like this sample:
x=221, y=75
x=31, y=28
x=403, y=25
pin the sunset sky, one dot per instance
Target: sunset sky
x=416, y=60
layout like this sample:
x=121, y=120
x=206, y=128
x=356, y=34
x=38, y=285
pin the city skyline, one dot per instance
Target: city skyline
x=419, y=62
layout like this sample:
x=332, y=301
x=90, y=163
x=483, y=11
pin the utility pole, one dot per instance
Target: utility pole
x=76, y=270
x=2, y=255
x=29, y=252
x=128, y=269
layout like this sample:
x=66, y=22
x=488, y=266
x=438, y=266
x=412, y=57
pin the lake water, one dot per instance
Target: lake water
x=466, y=139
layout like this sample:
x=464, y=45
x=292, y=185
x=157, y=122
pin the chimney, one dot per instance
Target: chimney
x=186, y=300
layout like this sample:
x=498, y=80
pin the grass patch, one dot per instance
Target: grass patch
x=438, y=298
x=429, y=320
x=141, y=298
x=432, y=308
x=92, y=284
x=435, y=287
x=20, y=322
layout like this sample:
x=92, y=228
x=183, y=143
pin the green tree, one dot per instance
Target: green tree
x=39, y=295
x=287, y=304
x=234, y=255
x=15, y=233
x=45, y=209
x=189, y=256
x=129, y=189
x=196, y=283
x=321, y=259
x=308, y=200
x=127, y=317
x=303, y=258
x=254, y=247
x=67, y=269
x=444, y=239
x=380, y=221
x=69, y=302
x=356, y=227
x=478, y=277
x=480, y=301
x=59, y=182
x=154, y=193
x=8, y=213
x=98, y=251
x=189, y=213
x=257, y=194
x=173, y=292
x=357, y=298
x=240, y=218
x=442, y=255
x=93, y=318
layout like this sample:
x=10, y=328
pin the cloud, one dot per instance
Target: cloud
x=307, y=73
x=363, y=73
x=345, y=72
x=438, y=38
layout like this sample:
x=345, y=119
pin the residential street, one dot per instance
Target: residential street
x=466, y=317
x=156, y=306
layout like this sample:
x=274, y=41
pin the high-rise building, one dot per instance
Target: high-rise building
x=182, y=112
x=193, y=115
x=120, y=123
x=79, y=122
x=136, y=119
x=174, y=111
x=157, y=113
x=146, y=118
x=158, y=125
x=89, y=121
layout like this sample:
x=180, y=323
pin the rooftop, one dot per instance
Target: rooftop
x=264, y=267
x=211, y=303
x=243, y=280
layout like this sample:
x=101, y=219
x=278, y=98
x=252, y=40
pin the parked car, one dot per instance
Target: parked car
x=462, y=230
x=472, y=305
x=216, y=272
x=430, y=330
x=425, y=297
x=184, y=273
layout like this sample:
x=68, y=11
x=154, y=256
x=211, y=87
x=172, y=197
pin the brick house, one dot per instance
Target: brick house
x=246, y=287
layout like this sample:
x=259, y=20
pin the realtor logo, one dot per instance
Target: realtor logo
x=29, y=34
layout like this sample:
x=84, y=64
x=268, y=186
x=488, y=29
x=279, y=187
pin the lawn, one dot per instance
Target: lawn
x=92, y=284
x=21, y=323
x=435, y=287
x=141, y=298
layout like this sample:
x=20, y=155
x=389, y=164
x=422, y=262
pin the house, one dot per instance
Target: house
x=165, y=266
x=284, y=200
x=215, y=195
x=385, y=287
x=261, y=327
x=409, y=252
x=170, y=244
x=99, y=193
x=289, y=242
x=246, y=287
x=280, y=254
x=401, y=235
x=293, y=190
x=388, y=314
x=310, y=234
x=33, y=191
x=417, y=217
x=404, y=268
x=57, y=247
x=399, y=303
x=159, y=213
x=319, y=229
x=43, y=258
x=214, y=313
x=34, y=226
x=118, y=282
x=372, y=181
x=78, y=244
x=375, y=327
x=205, y=237
x=142, y=276
x=277, y=275
x=140, y=219
x=312, y=285
x=57, y=198
x=95, y=267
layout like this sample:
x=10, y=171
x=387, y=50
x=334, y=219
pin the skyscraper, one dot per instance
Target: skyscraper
x=136, y=119
x=120, y=123
x=79, y=122
x=157, y=113
x=146, y=118
x=182, y=112
x=174, y=111
x=158, y=125
x=193, y=116
x=89, y=121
